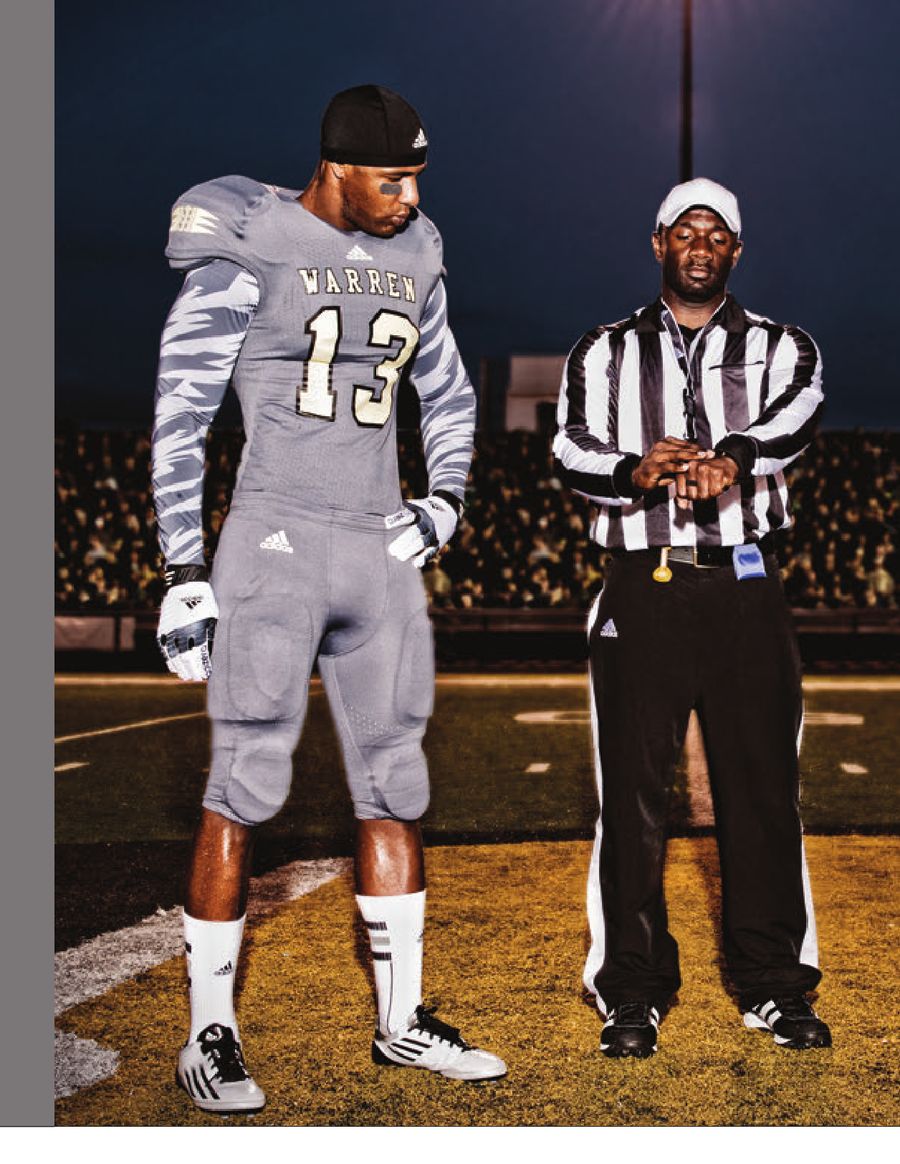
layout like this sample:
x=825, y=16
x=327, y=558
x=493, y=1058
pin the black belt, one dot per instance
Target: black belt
x=695, y=555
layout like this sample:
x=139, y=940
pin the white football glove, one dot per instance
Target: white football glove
x=187, y=622
x=432, y=521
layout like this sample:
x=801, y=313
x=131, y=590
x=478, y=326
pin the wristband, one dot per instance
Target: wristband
x=451, y=499
x=175, y=575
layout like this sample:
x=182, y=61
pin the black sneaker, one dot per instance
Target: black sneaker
x=791, y=1020
x=630, y=1031
x=212, y=1071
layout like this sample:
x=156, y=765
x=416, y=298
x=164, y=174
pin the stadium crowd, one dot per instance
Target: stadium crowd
x=525, y=541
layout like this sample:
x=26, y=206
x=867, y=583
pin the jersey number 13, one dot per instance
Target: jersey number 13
x=316, y=396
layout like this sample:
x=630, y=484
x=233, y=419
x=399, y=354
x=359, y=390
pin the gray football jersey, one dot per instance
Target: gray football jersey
x=339, y=316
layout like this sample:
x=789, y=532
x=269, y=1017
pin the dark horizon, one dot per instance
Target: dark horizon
x=554, y=137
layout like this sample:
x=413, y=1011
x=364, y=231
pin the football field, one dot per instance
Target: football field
x=513, y=808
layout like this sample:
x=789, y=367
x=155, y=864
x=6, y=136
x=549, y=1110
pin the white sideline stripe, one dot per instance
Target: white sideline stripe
x=79, y=1063
x=96, y=966
x=70, y=767
x=810, y=683
x=127, y=727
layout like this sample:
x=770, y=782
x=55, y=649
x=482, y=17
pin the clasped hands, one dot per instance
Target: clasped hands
x=698, y=474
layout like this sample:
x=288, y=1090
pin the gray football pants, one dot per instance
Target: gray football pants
x=294, y=587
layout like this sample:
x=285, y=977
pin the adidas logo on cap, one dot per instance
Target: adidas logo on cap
x=421, y=140
x=608, y=630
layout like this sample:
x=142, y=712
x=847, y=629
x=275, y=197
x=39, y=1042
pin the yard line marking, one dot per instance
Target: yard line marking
x=538, y=768
x=851, y=683
x=79, y=1063
x=77, y=680
x=70, y=767
x=97, y=965
x=556, y=717
x=127, y=727
x=569, y=718
x=854, y=769
x=832, y=719
x=810, y=682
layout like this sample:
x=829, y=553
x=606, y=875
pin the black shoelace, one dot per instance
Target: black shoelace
x=426, y=1021
x=794, y=1007
x=631, y=1014
x=220, y=1045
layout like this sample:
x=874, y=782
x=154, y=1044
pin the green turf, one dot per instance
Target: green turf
x=145, y=784
x=504, y=948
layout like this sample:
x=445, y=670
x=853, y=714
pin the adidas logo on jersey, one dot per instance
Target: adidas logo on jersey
x=608, y=630
x=228, y=968
x=277, y=541
x=190, y=603
x=421, y=140
x=358, y=253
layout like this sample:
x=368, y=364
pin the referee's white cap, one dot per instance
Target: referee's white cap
x=700, y=192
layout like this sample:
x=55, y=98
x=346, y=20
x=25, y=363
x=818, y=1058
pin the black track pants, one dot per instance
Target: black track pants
x=703, y=640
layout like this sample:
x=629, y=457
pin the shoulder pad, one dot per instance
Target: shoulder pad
x=210, y=221
x=431, y=241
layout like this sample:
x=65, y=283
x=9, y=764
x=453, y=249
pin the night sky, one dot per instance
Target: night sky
x=554, y=135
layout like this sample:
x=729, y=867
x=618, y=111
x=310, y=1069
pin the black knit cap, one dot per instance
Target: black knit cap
x=372, y=126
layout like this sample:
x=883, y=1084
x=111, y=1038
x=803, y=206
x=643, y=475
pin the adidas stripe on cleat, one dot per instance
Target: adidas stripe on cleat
x=792, y=1022
x=212, y=1071
x=630, y=1031
x=435, y=1046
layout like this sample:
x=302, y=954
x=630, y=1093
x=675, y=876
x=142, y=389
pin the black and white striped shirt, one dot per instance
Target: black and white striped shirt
x=746, y=386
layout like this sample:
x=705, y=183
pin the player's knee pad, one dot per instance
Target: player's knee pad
x=250, y=772
x=395, y=783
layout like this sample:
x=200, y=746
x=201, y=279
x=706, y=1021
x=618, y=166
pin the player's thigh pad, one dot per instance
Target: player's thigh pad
x=262, y=657
x=261, y=663
x=381, y=696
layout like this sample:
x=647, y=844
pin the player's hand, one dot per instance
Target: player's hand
x=431, y=523
x=666, y=461
x=187, y=622
x=705, y=479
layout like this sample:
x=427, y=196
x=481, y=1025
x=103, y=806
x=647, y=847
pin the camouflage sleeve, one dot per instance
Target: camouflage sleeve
x=200, y=344
x=447, y=399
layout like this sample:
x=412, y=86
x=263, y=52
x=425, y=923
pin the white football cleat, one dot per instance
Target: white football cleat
x=211, y=1070
x=434, y=1045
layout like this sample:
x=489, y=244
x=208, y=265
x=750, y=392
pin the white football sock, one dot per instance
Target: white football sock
x=396, y=931
x=212, y=949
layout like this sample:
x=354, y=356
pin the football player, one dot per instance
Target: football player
x=314, y=303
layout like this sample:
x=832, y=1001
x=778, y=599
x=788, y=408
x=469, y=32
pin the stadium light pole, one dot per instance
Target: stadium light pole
x=686, y=151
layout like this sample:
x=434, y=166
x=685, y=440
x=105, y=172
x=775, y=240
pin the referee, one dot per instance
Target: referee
x=678, y=424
